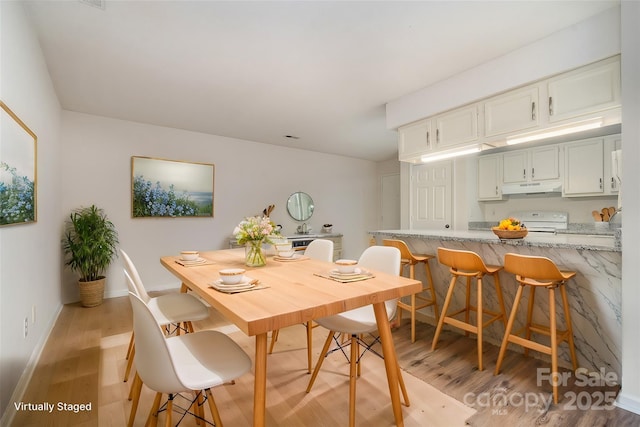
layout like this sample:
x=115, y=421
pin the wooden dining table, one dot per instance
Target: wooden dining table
x=291, y=293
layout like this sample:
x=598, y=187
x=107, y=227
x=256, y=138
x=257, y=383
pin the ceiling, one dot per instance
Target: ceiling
x=317, y=70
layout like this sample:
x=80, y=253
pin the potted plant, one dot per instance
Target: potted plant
x=90, y=246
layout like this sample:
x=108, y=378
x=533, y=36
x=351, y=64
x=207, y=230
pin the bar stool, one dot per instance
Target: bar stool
x=410, y=259
x=468, y=264
x=538, y=272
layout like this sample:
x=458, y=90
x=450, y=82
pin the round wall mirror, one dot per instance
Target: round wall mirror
x=300, y=206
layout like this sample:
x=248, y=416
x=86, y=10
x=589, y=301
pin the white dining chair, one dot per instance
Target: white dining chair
x=169, y=309
x=321, y=249
x=194, y=362
x=360, y=321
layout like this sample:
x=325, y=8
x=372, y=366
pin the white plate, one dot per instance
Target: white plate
x=294, y=256
x=195, y=261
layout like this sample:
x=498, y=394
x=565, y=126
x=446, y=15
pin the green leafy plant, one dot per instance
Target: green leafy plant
x=90, y=243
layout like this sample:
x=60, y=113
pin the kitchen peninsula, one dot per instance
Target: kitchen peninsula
x=594, y=294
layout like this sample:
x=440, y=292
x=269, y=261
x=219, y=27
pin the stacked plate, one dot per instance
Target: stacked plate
x=244, y=285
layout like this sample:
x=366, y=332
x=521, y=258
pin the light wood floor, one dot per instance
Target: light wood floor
x=84, y=361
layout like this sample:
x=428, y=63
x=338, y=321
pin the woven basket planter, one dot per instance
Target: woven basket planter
x=92, y=293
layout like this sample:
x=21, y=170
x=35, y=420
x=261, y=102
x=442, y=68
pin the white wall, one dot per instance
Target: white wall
x=96, y=156
x=591, y=40
x=29, y=253
x=629, y=398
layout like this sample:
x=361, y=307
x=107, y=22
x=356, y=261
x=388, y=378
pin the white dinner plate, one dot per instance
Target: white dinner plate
x=243, y=286
x=356, y=272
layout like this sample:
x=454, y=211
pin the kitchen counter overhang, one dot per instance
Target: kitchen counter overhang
x=592, y=242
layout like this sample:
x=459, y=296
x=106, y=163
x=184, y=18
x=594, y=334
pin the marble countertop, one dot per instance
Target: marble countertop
x=595, y=242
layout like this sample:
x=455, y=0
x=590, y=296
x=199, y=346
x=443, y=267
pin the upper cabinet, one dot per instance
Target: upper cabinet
x=414, y=139
x=446, y=130
x=589, y=93
x=512, y=112
x=587, y=90
x=530, y=165
x=583, y=168
x=457, y=127
x=489, y=177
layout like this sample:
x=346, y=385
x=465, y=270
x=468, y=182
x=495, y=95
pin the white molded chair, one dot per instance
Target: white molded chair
x=193, y=362
x=169, y=309
x=361, y=321
x=320, y=249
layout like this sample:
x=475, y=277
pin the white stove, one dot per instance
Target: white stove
x=543, y=221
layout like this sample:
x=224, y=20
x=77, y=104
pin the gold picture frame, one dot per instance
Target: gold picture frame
x=171, y=188
x=18, y=170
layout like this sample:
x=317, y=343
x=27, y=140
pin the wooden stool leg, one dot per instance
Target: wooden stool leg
x=496, y=281
x=507, y=332
x=432, y=289
x=445, y=307
x=567, y=316
x=479, y=322
x=467, y=304
x=527, y=326
x=413, y=318
x=554, y=344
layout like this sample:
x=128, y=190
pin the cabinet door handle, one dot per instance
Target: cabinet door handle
x=613, y=183
x=601, y=183
x=551, y=106
x=533, y=172
x=437, y=136
x=428, y=143
x=533, y=111
x=496, y=190
x=524, y=174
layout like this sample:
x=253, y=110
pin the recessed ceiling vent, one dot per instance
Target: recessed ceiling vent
x=95, y=3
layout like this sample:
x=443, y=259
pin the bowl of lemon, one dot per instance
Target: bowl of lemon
x=510, y=228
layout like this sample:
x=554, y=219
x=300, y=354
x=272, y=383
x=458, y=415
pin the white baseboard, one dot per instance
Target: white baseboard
x=628, y=403
x=27, y=374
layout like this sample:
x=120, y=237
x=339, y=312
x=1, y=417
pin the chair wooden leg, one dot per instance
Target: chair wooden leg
x=214, y=409
x=130, y=346
x=323, y=353
x=169, y=411
x=352, y=381
x=445, y=307
x=131, y=353
x=403, y=389
x=136, y=387
x=189, y=326
x=507, y=331
x=479, y=321
x=152, y=419
x=309, y=326
x=274, y=338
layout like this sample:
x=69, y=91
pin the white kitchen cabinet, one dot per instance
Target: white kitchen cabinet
x=456, y=127
x=512, y=112
x=611, y=143
x=584, y=168
x=490, y=177
x=414, y=140
x=531, y=165
x=587, y=90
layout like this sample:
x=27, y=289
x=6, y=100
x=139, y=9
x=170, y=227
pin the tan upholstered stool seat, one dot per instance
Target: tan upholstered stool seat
x=469, y=265
x=539, y=272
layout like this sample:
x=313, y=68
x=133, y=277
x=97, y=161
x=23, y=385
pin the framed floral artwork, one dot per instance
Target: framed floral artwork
x=18, y=171
x=171, y=188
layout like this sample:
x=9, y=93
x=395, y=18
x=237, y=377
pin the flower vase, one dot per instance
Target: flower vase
x=254, y=256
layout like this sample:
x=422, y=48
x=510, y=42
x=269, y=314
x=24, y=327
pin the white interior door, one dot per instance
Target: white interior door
x=431, y=190
x=390, y=202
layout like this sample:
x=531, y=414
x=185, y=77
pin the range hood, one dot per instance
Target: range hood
x=532, y=187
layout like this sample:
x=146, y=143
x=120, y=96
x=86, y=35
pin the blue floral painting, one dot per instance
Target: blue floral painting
x=17, y=170
x=170, y=188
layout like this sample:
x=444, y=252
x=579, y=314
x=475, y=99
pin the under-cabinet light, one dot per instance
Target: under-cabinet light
x=555, y=132
x=449, y=154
